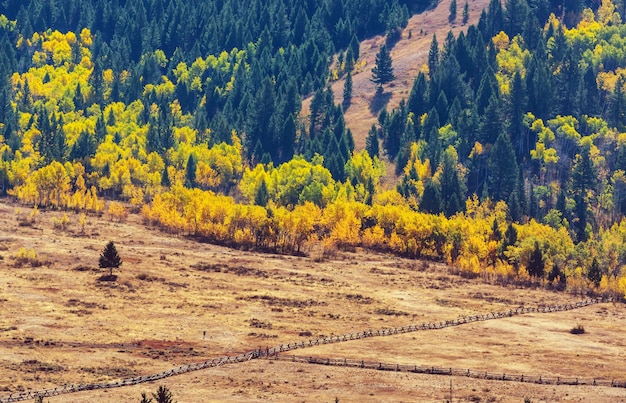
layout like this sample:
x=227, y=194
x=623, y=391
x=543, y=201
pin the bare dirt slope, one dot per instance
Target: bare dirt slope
x=60, y=325
x=409, y=56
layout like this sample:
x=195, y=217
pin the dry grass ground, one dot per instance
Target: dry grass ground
x=60, y=325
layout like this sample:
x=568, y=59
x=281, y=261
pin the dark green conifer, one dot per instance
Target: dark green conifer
x=382, y=73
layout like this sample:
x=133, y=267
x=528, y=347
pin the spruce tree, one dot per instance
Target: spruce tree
x=431, y=199
x=165, y=178
x=163, y=395
x=503, y=169
x=262, y=196
x=433, y=56
x=190, y=172
x=465, y=13
x=535, y=262
x=109, y=258
x=595, y=274
x=347, y=90
x=452, y=15
x=382, y=73
x=371, y=142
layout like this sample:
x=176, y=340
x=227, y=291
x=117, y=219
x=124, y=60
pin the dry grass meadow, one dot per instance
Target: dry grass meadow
x=60, y=325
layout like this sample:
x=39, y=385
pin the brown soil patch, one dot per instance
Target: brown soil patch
x=59, y=325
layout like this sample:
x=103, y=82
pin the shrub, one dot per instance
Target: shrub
x=118, y=211
x=61, y=223
x=26, y=256
x=578, y=329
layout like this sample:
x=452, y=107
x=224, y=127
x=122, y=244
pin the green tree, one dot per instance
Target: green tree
x=109, y=258
x=433, y=56
x=347, y=90
x=465, y=13
x=536, y=263
x=452, y=183
x=584, y=181
x=163, y=395
x=595, y=273
x=371, y=142
x=262, y=195
x=190, y=172
x=503, y=169
x=431, y=199
x=516, y=110
x=382, y=73
x=453, y=10
x=515, y=16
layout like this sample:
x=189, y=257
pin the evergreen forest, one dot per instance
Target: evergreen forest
x=509, y=154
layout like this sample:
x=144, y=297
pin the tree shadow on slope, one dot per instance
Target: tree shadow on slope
x=379, y=101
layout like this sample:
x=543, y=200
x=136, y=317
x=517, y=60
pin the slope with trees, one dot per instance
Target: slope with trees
x=515, y=124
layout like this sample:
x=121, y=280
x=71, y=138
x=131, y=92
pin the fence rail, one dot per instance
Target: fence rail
x=274, y=352
x=432, y=370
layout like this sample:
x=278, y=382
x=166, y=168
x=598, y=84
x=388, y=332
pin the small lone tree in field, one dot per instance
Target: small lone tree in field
x=163, y=395
x=109, y=258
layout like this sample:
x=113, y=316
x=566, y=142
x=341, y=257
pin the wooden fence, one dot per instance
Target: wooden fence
x=275, y=352
x=431, y=370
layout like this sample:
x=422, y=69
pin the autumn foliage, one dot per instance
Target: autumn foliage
x=75, y=144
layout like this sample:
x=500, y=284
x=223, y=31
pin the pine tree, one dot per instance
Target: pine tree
x=595, y=274
x=535, y=262
x=347, y=90
x=433, y=56
x=371, y=142
x=382, y=73
x=452, y=15
x=584, y=182
x=163, y=395
x=452, y=183
x=165, y=178
x=617, y=107
x=109, y=258
x=465, y=13
x=517, y=108
x=431, y=199
x=504, y=170
x=190, y=172
x=262, y=196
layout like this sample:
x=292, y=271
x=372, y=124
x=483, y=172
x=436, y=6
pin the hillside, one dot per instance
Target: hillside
x=61, y=325
x=409, y=57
